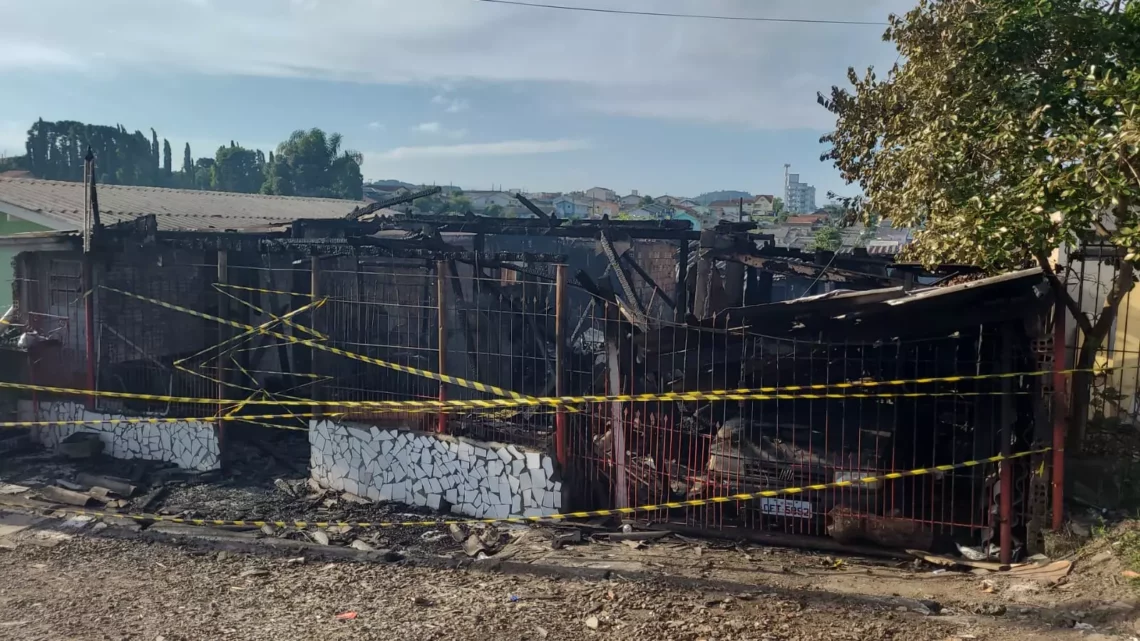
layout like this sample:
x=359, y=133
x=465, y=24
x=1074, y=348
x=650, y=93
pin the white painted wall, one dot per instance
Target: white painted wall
x=191, y=445
x=473, y=478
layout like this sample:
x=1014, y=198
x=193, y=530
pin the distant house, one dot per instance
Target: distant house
x=654, y=211
x=726, y=209
x=807, y=220
x=631, y=201
x=601, y=193
x=606, y=208
x=761, y=205
x=483, y=200
x=567, y=207
x=668, y=201
x=384, y=192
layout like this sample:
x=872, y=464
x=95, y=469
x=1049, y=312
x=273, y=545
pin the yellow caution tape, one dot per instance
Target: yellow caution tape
x=433, y=405
x=257, y=309
x=453, y=380
x=746, y=496
x=166, y=420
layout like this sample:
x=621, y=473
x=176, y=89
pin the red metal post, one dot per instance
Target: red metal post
x=441, y=270
x=560, y=311
x=1059, y=411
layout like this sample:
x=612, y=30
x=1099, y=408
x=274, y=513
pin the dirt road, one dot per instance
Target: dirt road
x=88, y=588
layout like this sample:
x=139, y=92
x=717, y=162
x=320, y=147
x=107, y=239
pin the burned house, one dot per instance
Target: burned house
x=521, y=367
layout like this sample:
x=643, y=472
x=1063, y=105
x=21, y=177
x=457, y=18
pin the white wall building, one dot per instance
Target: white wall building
x=799, y=198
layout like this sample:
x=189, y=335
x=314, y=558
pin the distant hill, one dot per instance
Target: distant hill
x=388, y=183
x=728, y=194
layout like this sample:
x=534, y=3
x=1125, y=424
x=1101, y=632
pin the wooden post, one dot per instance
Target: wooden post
x=617, y=422
x=560, y=364
x=1005, y=475
x=1060, y=408
x=223, y=334
x=704, y=273
x=441, y=300
x=89, y=325
x=681, y=293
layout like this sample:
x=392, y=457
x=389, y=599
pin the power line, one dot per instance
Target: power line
x=659, y=14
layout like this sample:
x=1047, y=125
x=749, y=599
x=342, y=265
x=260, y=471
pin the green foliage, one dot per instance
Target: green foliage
x=777, y=206
x=238, y=169
x=167, y=160
x=318, y=166
x=1011, y=126
x=494, y=210
x=647, y=200
x=827, y=238
x=309, y=163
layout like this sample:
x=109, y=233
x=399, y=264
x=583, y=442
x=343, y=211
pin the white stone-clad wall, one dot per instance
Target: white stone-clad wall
x=191, y=445
x=473, y=478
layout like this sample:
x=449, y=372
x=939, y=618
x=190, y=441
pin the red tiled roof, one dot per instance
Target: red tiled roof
x=809, y=219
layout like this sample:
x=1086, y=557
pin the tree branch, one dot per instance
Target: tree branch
x=1062, y=293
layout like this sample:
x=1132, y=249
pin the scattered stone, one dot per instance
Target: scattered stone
x=252, y=572
x=593, y=623
x=285, y=487
x=299, y=560
x=268, y=530
x=423, y=602
x=319, y=536
x=991, y=609
x=456, y=533
x=541, y=632
x=362, y=546
x=474, y=545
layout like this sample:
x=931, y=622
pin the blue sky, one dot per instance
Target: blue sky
x=457, y=91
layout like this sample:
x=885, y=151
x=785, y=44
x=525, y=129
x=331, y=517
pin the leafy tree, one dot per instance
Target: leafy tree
x=494, y=210
x=1010, y=128
x=647, y=200
x=827, y=238
x=187, y=161
x=154, y=148
x=167, y=161
x=204, y=173
x=777, y=206
x=278, y=178
x=319, y=167
x=238, y=169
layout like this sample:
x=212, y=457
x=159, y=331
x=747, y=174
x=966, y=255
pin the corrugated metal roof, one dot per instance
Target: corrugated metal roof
x=175, y=209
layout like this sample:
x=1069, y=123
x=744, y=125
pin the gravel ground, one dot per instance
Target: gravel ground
x=101, y=589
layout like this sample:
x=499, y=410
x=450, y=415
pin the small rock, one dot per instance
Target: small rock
x=295, y=561
x=456, y=532
x=423, y=602
x=1082, y=626
x=1100, y=557
x=245, y=574
x=98, y=527
x=223, y=555
x=362, y=546
x=592, y=623
x=320, y=536
x=991, y=609
x=269, y=530
x=541, y=632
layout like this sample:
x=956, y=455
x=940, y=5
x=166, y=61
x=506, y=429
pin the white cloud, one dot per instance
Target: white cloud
x=756, y=74
x=376, y=125
x=436, y=129
x=456, y=106
x=503, y=148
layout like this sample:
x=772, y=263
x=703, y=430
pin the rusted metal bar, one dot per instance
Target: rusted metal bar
x=441, y=269
x=791, y=268
x=623, y=279
x=543, y=216
x=224, y=332
x=315, y=293
x=561, y=309
x=355, y=214
x=1059, y=411
x=668, y=300
x=1005, y=478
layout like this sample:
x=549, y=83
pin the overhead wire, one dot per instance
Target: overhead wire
x=698, y=16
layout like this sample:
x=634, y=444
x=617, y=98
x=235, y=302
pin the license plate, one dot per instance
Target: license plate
x=786, y=507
